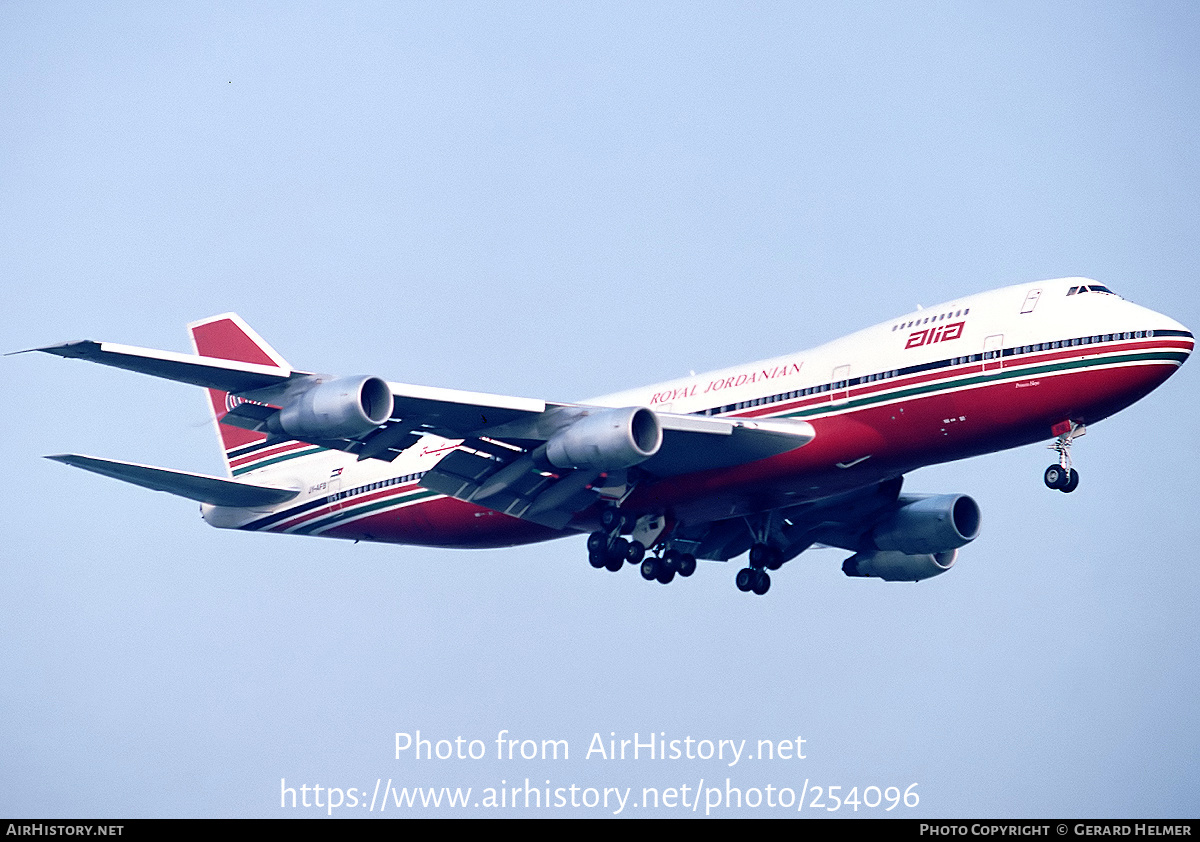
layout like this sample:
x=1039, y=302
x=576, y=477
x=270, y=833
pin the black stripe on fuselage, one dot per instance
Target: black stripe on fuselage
x=890, y=374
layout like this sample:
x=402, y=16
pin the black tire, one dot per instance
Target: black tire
x=762, y=584
x=745, y=579
x=1055, y=477
x=636, y=552
x=666, y=574
x=759, y=555
x=597, y=558
x=615, y=561
x=686, y=565
x=649, y=569
x=611, y=520
x=1072, y=482
x=597, y=541
x=774, y=559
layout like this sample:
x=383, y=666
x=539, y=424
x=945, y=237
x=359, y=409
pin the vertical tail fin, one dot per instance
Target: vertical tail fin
x=228, y=337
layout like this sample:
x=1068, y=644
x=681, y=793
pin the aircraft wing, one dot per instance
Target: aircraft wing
x=499, y=474
x=840, y=520
x=210, y=372
x=501, y=463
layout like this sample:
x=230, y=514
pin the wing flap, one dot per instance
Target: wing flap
x=198, y=487
x=693, y=443
x=516, y=487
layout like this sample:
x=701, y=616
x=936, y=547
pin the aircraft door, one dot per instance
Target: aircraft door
x=993, y=359
x=334, y=491
x=1031, y=300
x=839, y=391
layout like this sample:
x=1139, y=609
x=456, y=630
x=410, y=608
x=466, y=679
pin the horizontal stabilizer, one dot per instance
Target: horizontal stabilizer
x=198, y=487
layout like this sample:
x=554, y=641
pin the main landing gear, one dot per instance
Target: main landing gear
x=608, y=549
x=611, y=551
x=755, y=577
x=664, y=567
x=1062, y=477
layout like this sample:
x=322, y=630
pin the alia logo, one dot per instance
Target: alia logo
x=941, y=333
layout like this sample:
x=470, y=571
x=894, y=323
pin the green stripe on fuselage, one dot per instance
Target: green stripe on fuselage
x=308, y=451
x=346, y=514
x=958, y=381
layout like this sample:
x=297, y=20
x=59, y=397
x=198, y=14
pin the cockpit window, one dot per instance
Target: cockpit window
x=1090, y=288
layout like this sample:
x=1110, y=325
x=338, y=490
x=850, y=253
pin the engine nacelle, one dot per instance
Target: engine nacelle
x=929, y=525
x=899, y=567
x=345, y=408
x=607, y=440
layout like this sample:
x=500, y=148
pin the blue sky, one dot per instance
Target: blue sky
x=563, y=201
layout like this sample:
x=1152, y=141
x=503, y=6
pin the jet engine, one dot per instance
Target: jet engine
x=899, y=567
x=929, y=525
x=607, y=440
x=917, y=540
x=345, y=408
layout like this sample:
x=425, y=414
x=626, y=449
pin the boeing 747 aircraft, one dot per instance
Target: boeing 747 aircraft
x=764, y=460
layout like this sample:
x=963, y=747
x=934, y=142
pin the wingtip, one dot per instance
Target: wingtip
x=74, y=348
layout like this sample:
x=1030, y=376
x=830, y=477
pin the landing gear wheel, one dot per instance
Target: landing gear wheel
x=1056, y=477
x=616, y=555
x=745, y=579
x=763, y=583
x=597, y=542
x=665, y=574
x=636, y=552
x=686, y=564
x=1072, y=482
x=597, y=558
x=650, y=568
x=764, y=555
x=612, y=520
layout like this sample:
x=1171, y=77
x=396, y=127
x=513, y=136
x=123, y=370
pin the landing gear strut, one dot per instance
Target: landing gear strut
x=1062, y=477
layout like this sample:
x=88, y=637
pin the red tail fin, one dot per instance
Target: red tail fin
x=228, y=337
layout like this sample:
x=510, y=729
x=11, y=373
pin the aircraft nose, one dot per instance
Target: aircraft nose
x=1174, y=336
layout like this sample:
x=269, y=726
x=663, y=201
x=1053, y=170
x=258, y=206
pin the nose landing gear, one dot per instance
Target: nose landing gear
x=1062, y=477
